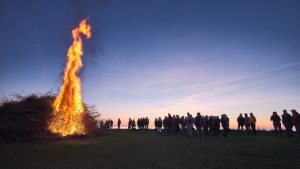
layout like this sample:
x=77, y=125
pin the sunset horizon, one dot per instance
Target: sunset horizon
x=151, y=59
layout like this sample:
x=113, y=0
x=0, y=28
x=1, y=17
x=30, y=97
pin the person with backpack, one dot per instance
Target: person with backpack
x=276, y=123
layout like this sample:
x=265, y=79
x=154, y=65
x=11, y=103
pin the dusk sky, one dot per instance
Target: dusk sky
x=153, y=57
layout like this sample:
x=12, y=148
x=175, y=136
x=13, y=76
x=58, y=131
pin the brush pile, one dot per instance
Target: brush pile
x=26, y=118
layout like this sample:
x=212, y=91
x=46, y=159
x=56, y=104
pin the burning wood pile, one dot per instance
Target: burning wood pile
x=26, y=118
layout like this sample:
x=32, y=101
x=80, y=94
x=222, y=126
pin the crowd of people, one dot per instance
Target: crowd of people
x=200, y=125
x=288, y=121
x=107, y=124
x=204, y=125
x=142, y=123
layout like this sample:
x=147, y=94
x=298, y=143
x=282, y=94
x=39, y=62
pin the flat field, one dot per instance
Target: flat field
x=145, y=149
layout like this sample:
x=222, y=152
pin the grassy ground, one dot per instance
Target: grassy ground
x=140, y=149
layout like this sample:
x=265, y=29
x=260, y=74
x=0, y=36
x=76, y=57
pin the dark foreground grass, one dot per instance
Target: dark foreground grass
x=140, y=149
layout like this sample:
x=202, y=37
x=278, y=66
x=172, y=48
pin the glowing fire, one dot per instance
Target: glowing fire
x=68, y=107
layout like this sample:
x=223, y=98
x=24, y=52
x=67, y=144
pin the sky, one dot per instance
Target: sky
x=150, y=58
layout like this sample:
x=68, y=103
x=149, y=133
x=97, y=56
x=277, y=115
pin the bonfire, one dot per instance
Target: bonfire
x=45, y=116
x=68, y=107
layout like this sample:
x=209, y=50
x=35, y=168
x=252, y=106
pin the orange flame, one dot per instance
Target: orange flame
x=68, y=107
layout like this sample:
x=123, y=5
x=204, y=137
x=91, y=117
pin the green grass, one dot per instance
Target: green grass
x=140, y=149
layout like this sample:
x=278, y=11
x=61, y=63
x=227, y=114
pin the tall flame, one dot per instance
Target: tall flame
x=68, y=107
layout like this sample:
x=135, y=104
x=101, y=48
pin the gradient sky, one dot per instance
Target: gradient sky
x=152, y=57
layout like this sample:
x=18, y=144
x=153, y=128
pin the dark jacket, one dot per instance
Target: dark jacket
x=276, y=119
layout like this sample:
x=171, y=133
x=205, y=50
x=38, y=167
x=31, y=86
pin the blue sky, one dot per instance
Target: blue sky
x=149, y=58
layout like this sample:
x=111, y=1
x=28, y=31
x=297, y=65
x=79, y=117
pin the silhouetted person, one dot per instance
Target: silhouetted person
x=159, y=125
x=253, y=123
x=111, y=123
x=296, y=120
x=129, y=124
x=199, y=125
x=276, y=123
x=205, y=126
x=176, y=124
x=247, y=123
x=146, y=123
x=182, y=123
x=165, y=124
x=210, y=124
x=225, y=125
x=133, y=124
x=101, y=124
x=287, y=122
x=155, y=124
x=169, y=124
x=216, y=125
x=189, y=123
x=119, y=123
x=241, y=122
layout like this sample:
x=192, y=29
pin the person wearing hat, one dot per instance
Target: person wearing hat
x=296, y=120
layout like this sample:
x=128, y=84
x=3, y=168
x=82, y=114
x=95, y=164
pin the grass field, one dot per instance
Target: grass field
x=141, y=149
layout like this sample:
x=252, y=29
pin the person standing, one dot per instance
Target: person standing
x=165, y=124
x=133, y=124
x=296, y=120
x=225, y=125
x=287, y=122
x=119, y=123
x=159, y=125
x=276, y=123
x=189, y=122
x=205, y=126
x=129, y=124
x=199, y=124
x=247, y=123
x=253, y=123
x=241, y=122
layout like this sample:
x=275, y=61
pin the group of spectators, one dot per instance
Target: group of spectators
x=200, y=125
x=131, y=124
x=289, y=121
x=142, y=123
x=107, y=124
x=211, y=125
x=248, y=121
